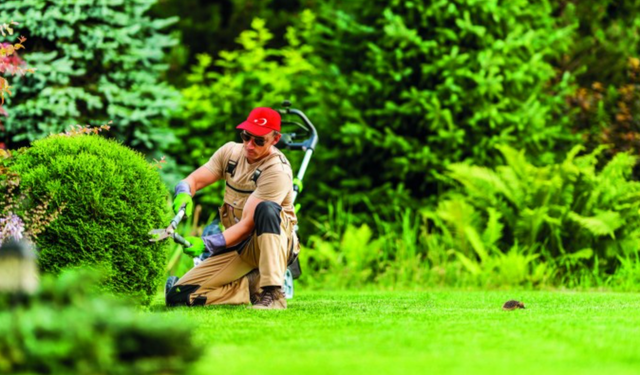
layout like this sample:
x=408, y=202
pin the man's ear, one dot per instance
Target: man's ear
x=276, y=139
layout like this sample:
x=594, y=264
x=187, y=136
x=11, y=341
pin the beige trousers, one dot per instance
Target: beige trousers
x=220, y=279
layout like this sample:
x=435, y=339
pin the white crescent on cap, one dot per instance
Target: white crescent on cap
x=261, y=121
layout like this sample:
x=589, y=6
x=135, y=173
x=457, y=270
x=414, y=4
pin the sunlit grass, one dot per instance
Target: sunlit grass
x=442, y=332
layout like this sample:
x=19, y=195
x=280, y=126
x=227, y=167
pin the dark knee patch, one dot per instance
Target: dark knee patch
x=267, y=218
x=199, y=301
x=179, y=294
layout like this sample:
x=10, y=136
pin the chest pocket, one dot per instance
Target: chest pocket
x=237, y=192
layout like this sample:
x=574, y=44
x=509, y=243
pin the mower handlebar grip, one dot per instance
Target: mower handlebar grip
x=313, y=139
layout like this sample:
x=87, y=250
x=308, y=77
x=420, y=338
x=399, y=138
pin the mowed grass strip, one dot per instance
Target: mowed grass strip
x=440, y=332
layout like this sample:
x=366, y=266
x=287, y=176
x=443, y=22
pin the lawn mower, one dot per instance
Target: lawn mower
x=298, y=134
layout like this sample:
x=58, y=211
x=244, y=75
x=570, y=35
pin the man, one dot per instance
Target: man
x=249, y=258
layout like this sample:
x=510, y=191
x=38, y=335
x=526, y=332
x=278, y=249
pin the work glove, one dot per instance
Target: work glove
x=214, y=244
x=183, y=196
x=197, y=246
x=181, y=199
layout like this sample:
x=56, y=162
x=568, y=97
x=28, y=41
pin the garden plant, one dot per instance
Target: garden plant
x=68, y=327
x=105, y=198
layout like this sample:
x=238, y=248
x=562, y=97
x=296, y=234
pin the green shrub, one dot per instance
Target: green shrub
x=603, y=57
x=609, y=115
x=215, y=25
x=95, y=62
x=66, y=328
x=110, y=198
x=562, y=220
x=412, y=86
x=607, y=34
x=340, y=253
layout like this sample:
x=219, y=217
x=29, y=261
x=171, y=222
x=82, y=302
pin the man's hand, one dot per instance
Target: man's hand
x=196, y=248
x=214, y=244
x=181, y=199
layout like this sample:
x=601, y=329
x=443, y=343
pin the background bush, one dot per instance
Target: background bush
x=212, y=27
x=603, y=55
x=96, y=62
x=608, y=115
x=401, y=90
x=606, y=34
x=418, y=85
x=67, y=328
x=408, y=89
x=110, y=199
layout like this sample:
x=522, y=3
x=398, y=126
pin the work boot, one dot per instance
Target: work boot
x=271, y=298
x=254, y=286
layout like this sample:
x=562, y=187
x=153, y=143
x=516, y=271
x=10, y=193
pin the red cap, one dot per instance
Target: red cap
x=261, y=121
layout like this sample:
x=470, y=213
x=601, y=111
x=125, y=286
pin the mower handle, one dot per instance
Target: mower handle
x=307, y=144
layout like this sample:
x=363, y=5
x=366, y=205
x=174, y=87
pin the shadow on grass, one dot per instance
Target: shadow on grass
x=160, y=308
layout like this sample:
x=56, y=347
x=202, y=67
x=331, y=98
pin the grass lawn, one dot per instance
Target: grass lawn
x=440, y=332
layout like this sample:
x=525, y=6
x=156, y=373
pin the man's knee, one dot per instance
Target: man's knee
x=267, y=218
x=180, y=295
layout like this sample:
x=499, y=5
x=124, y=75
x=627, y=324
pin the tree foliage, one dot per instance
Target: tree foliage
x=96, y=61
x=424, y=84
x=609, y=115
x=607, y=34
x=209, y=27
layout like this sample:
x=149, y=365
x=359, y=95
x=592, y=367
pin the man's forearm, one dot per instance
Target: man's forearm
x=238, y=232
x=218, y=242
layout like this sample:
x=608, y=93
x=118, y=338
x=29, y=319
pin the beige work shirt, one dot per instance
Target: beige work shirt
x=274, y=184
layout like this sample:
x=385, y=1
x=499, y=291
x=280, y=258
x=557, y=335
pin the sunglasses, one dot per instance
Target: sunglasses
x=246, y=137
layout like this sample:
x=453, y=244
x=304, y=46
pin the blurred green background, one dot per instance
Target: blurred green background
x=462, y=143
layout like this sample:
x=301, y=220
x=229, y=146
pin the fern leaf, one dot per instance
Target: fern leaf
x=457, y=213
x=602, y=224
x=474, y=239
x=472, y=266
x=580, y=254
x=479, y=181
x=493, y=231
x=515, y=159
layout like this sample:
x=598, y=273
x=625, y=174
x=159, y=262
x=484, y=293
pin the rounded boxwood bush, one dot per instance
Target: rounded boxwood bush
x=110, y=198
